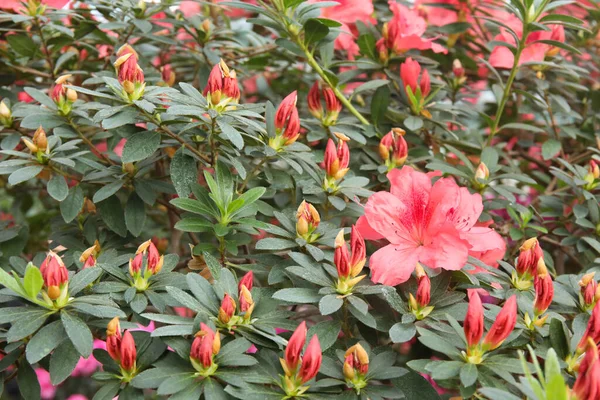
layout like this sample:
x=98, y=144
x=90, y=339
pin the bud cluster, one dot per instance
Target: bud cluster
x=530, y=254
x=544, y=293
x=227, y=317
x=419, y=306
x=299, y=369
x=287, y=123
x=417, y=85
x=63, y=97
x=121, y=348
x=90, y=255
x=154, y=263
x=356, y=367
x=393, y=148
x=330, y=114
x=56, y=280
x=222, y=87
x=589, y=292
x=129, y=73
x=500, y=330
x=349, y=266
x=38, y=145
x=205, y=346
x=307, y=221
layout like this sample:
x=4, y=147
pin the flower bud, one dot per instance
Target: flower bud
x=222, y=86
x=207, y=343
x=155, y=261
x=6, y=118
x=592, y=176
x=287, y=122
x=410, y=71
x=88, y=257
x=393, y=149
x=135, y=264
x=227, y=309
x=587, y=384
x=529, y=256
x=356, y=362
x=128, y=352
x=314, y=101
x=247, y=280
x=167, y=75
x=337, y=158
x=423, y=288
x=341, y=258
x=473, y=325
x=592, y=330
x=113, y=339
x=129, y=73
x=359, y=252
x=588, y=290
x=482, y=172
x=294, y=348
x=502, y=326
x=332, y=104
x=544, y=289
x=311, y=361
x=246, y=302
x=40, y=140
x=55, y=274
x=307, y=219
x=457, y=69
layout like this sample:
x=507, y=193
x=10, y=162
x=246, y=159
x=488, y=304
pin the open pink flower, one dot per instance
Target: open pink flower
x=434, y=224
x=502, y=57
x=405, y=31
x=16, y=5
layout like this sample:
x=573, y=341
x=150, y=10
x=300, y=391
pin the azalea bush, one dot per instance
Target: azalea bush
x=278, y=199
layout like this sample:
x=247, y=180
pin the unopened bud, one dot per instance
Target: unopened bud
x=482, y=172
x=71, y=95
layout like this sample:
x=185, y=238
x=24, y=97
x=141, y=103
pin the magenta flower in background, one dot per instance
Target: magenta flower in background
x=434, y=224
x=47, y=390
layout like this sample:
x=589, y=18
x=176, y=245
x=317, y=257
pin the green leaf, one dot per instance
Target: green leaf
x=314, y=31
x=33, y=281
x=214, y=266
x=26, y=326
x=57, y=187
x=414, y=386
x=27, y=382
x=176, y=383
x=400, y=333
x=23, y=45
x=231, y=134
x=135, y=214
x=275, y=244
x=297, y=295
x=550, y=149
x=78, y=332
x=366, y=44
x=413, y=123
x=44, y=341
x=193, y=225
x=184, y=173
x=558, y=338
x=140, y=146
x=106, y=191
x=111, y=213
x=63, y=362
x=327, y=332
x=24, y=174
x=330, y=304
x=72, y=204
x=468, y=374
x=214, y=390
x=379, y=104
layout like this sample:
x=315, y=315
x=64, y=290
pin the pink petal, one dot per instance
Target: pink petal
x=367, y=232
x=486, y=245
x=393, y=264
x=446, y=250
x=382, y=212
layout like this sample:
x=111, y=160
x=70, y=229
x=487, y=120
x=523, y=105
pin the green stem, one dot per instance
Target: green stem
x=509, y=83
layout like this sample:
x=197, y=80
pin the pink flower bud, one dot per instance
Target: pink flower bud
x=337, y=158
x=423, y=287
x=155, y=260
x=587, y=384
x=341, y=258
x=592, y=330
x=294, y=347
x=314, y=101
x=287, y=121
x=311, y=362
x=458, y=69
x=359, y=252
x=227, y=309
x=135, y=264
x=473, y=325
x=214, y=85
x=503, y=325
x=128, y=352
x=55, y=274
x=205, y=345
x=529, y=256
x=544, y=290
x=113, y=339
x=247, y=280
x=393, y=148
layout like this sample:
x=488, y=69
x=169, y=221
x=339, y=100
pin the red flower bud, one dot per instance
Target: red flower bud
x=287, y=120
x=359, y=252
x=332, y=103
x=410, y=71
x=128, y=352
x=294, y=347
x=337, y=157
x=227, y=309
x=155, y=260
x=88, y=257
x=230, y=86
x=393, y=148
x=503, y=325
x=113, y=339
x=206, y=344
x=167, y=74
x=587, y=384
x=341, y=258
x=314, y=101
x=473, y=325
x=544, y=290
x=529, y=256
x=55, y=274
x=592, y=330
x=128, y=70
x=588, y=288
x=311, y=361
x=135, y=264
x=457, y=68
x=214, y=85
x=58, y=93
x=307, y=218
x=247, y=280
x=423, y=287
x=594, y=170
x=356, y=361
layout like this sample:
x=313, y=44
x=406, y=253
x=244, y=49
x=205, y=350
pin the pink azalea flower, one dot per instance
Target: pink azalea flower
x=47, y=390
x=16, y=5
x=405, y=31
x=502, y=57
x=77, y=397
x=434, y=224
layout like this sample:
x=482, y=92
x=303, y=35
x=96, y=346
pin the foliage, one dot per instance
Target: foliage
x=196, y=168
